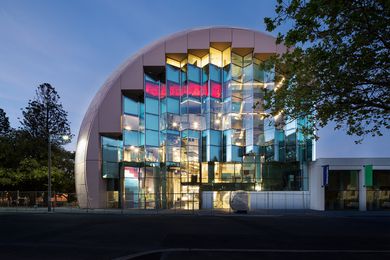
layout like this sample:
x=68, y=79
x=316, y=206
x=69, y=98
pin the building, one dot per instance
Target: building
x=181, y=125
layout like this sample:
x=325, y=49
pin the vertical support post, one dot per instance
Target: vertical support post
x=362, y=190
x=49, y=173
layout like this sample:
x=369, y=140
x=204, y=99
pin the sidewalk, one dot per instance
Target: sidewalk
x=202, y=212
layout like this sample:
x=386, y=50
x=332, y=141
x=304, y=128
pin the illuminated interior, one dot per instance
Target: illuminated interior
x=198, y=128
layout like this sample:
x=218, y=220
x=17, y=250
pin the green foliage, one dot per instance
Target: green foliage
x=45, y=115
x=4, y=123
x=24, y=152
x=337, y=67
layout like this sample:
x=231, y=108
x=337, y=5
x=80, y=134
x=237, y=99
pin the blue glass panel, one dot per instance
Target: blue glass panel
x=151, y=105
x=173, y=74
x=151, y=122
x=215, y=73
x=193, y=73
x=151, y=138
x=130, y=138
x=163, y=106
x=205, y=74
x=194, y=107
x=227, y=73
x=130, y=106
x=213, y=153
x=213, y=137
x=173, y=105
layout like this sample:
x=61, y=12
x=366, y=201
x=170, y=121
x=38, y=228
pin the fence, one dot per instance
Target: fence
x=36, y=199
x=208, y=202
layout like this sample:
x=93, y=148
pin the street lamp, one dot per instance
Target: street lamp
x=65, y=138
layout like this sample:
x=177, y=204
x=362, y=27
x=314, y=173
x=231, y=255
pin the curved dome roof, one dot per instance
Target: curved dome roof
x=104, y=112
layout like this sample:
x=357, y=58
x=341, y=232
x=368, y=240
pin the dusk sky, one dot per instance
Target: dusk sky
x=76, y=45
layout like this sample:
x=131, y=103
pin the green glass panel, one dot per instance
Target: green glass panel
x=368, y=175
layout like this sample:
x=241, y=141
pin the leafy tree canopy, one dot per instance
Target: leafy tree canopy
x=337, y=67
x=45, y=115
x=4, y=123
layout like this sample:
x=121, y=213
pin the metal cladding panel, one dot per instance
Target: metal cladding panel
x=264, y=43
x=243, y=38
x=220, y=35
x=132, y=76
x=176, y=44
x=110, y=110
x=95, y=185
x=199, y=39
x=155, y=56
x=93, y=149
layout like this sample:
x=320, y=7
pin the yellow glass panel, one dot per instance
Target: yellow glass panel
x=194, y=60
x=183, y=63
x=226, y=56
x=215, y=57
x=205, y=60
x=173, y=62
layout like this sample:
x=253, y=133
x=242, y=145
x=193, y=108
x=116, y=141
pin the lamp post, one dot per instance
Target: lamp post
x=65, y=138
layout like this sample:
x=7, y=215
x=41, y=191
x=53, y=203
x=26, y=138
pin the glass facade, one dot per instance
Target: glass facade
x=201, y=126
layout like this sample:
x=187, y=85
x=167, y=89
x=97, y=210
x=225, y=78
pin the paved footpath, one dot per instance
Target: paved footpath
x=276, y=235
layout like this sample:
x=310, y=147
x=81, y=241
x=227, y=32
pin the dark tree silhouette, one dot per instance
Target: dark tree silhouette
x=45, y=115
x=5, y=127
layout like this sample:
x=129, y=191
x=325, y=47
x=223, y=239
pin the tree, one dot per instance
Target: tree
x=45, y=116
x=5, y=127
x=337, y=67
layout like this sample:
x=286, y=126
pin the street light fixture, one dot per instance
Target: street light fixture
x=65, y=138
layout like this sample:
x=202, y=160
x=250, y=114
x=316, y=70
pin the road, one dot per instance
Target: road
x=109, y=236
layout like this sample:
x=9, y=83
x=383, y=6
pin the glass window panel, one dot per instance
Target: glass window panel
x=215, y=73
x=248, y=73
x=247, y=59
x=173, y=62
x=131, y=138
x=193, y=107
x=215, y=57
x=174, y=89
x=151, y=138
x=194, y=60
x=190, y=137
x=215, y=90
x=213, y=153
x=226, y=56
x=213, y=137
x=151, y=122
x=130, y=106
x=152, y=89
x=173, y=138
x=172, y=154
x=151, y=105
x=110, y=169
x=130, y=122
x=237, y=73
x=194, y=90
x=163, y=106
x=152, y=154
x=237, y=59
x=193, y=73
x=233, y=153
x=173, y=74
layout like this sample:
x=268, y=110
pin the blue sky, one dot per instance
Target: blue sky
x=76, y=45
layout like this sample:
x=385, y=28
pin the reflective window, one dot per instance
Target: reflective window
x=151, y=122
x=173, y=74
x=151, y=105
x=131, y=138
x=130, y=122
x=130, y=106
x=151, y=137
